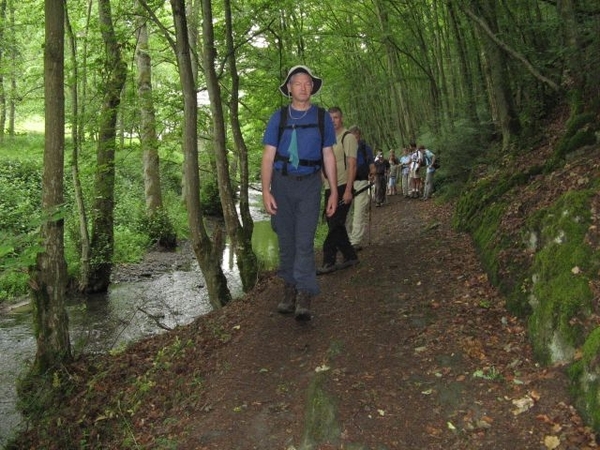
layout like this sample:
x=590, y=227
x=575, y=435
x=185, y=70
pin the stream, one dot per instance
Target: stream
x=128, y=312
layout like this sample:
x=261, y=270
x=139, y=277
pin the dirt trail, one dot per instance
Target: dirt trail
x=411, y=349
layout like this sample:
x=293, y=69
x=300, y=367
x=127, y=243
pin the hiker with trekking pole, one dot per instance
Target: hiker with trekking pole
x=365, y=171
x=337, y=240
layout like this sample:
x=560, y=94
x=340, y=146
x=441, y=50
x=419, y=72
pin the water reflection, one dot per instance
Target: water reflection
x=128, y=312
x=17, y=348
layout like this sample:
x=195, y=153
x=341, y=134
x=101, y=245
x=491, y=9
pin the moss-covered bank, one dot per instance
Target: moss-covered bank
x=535, y=225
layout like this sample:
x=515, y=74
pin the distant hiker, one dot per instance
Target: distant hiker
x=405, y=164
x=381, y=170
x=337, y=237
x=428, y=163
x=413, y=175
x=394, y=170
x=365, y=169
x=293, y=158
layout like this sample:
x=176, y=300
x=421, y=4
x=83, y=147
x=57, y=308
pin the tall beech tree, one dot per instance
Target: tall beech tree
x=162, y=231
x=76, y=141
x=2, y=58
x=49, y=277
x=115, y=73
x=207, y=253
x=240, y=237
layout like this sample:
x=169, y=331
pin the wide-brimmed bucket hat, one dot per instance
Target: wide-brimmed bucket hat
x=317, y=82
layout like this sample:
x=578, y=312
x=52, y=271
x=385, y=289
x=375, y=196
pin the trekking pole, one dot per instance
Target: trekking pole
x=369, y=225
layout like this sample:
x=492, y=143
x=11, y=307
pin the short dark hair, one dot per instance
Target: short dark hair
x=335, y=109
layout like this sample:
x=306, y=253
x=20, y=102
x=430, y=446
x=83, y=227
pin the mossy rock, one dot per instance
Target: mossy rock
x=585, y=376
x=560, y=294
x=485, y=192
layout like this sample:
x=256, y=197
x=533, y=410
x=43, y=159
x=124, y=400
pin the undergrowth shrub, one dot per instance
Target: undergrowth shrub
x=20, y=195
x=460, y=149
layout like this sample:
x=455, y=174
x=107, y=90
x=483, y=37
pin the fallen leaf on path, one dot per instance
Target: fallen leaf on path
x=522, y=405
x=551, y=442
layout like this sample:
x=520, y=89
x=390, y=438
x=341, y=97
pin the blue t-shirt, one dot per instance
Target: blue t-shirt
x=309, y=139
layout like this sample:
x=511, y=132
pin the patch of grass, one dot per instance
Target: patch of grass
x=488, y=373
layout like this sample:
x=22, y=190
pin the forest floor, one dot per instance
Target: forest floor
x=410, y=349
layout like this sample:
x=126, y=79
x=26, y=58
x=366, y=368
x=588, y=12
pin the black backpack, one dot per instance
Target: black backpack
x=362, y=170
x=283, y=125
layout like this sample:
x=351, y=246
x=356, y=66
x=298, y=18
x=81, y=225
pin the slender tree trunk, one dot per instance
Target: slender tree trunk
x=508, y=120
x=399, y=109
x=193, y=16
x=147, y=121
x=49, y=278
x=247, y=262
x=162, y=234
x=2, y=64
x=570, y=31
x=207, y=254
x=78, y=191
x=83, y=55
x=12, y=98
x=470, y=105
x=102, y=243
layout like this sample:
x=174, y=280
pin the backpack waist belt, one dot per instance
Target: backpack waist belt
x=302, y=162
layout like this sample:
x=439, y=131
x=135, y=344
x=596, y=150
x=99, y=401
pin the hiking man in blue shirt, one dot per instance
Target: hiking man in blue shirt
x=293, y=158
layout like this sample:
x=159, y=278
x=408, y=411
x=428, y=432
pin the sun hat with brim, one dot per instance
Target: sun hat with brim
x=317, y=82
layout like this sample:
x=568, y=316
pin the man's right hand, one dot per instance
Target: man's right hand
x=269, y=203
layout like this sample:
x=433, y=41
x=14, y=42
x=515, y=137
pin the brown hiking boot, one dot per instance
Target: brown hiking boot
x=288, y=304
x=303, y=300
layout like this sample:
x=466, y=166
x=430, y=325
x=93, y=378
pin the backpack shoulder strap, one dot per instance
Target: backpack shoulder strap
x=321, y=123
x=282, y=122
x=346, y=133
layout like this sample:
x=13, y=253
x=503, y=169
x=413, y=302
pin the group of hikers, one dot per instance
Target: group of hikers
x=304, y=148
x=414, y=165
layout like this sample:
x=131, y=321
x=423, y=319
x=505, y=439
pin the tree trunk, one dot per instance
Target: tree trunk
x=102, y=243
x=207, y=254
x=161, y=234
x=499, y=88
x=84, y=236
x=193, y=15
x=2, y=64
x=400, y=113
x=49, y=278
x=13, y=75
x=246, y=258
x=470, y=104
x=83, y=55
x=570, y=29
